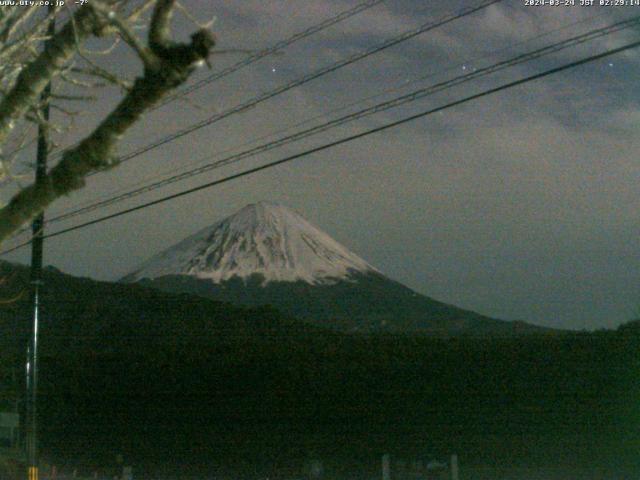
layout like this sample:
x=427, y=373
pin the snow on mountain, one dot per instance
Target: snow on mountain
x=262, y=238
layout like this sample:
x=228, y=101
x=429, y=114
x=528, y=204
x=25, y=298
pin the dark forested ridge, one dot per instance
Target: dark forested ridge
x=175, y=380
x=365, y=303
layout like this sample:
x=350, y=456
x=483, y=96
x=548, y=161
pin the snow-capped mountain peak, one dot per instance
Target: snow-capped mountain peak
x=263, y=238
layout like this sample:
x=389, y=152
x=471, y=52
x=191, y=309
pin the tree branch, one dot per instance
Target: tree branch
x=171, y=66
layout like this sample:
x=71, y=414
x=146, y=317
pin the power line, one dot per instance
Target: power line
x=307, y=78
x=341, y=141
x=393, y=103
x=107, y=198
x=273, y=49
x=266, y=52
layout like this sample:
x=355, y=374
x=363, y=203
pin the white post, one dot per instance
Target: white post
x=454, y=467
x=386, y=467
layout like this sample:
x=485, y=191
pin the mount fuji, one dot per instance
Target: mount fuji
x=268, y=254
x=263, y=239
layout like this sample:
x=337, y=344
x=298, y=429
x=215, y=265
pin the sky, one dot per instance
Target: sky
x=520, y=205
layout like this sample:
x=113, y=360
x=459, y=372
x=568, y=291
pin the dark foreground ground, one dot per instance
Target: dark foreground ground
x=547, y=408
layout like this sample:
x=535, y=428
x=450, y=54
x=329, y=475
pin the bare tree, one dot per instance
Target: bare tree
x=26, y=67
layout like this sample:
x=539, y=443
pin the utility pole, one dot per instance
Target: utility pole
x=36, y=279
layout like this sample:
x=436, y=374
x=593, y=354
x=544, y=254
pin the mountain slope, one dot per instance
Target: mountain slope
x=267, y=254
